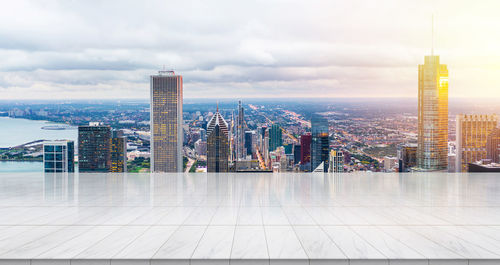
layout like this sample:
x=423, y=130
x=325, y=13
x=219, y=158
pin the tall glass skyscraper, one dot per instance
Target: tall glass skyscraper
x=275, y=137
x=217, y=144
x=432, y=149
x=166, y=122
x=320, y=142
x=240, y=133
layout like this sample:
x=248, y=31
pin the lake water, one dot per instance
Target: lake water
x=15, y=132
x=20, y=166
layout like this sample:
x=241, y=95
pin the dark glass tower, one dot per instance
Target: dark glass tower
x=94, y=146
x=320, y=143
x=275, y=137
x=217, y=144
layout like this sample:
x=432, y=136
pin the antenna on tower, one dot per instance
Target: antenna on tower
x=217, y=106
x=432, y=44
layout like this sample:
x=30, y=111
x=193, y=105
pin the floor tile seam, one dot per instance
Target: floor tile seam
x=98, y=241
x=437, y=243
x=472, y=243
x=35, y=239
x=132, y=241
x=79, y=234
x=204, y=231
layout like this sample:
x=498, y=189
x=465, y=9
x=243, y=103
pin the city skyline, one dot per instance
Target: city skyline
x=314, y=48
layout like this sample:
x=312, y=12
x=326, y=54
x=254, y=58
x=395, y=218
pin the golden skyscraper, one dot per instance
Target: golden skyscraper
x=166, y=122
x=432, y=149
x=472, y=135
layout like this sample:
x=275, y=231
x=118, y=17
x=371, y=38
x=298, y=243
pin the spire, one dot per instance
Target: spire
x=432, y=44
x=217, y=106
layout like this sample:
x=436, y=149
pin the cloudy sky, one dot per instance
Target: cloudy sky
x=269, y=48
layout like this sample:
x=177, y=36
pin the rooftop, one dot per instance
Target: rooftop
x=365, y=218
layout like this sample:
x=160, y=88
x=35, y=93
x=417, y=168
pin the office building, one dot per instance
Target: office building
x=336, y=161
x=432, y=153
x=249, y=142
x=493, y=146
x=320, y=143
x=297, y=153
x=94, y=146
x=118, y=151
x=305, y=152
x=390, y=163
x=240, y=133
x=59, y=156
x=407, y=157
x=166, y=122
x=275, y=137
x=472, y=134
x=217, y=144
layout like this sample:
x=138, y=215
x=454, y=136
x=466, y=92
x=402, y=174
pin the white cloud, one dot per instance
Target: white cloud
x=243, y=48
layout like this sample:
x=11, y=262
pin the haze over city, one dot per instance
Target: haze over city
x=234, y=49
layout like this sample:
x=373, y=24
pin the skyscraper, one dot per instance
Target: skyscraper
x=336, y=161
x=118, y=151
x=320, y=143
x=472, y=134
x=240, y=133
x=217, y=144
x=275, y=137
x=94, y=146
x=493, y=146
x=305, y=152
x=166, y=122
x=248, y=142
x=407, y=157
x=59, y=156
x=432, y=148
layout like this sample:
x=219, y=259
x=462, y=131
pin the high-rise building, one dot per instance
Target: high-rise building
x=320, y=143
x=305, y=152
x=493, y=146
x=249, y=142
x=59, y=156
x=432, y=152
x=240, y=133
x=217, y=144
x=94, y=146
x=472, y=134
x=297, y=153
x=118, y=151
x=407, y=157
x=166, y=122
x=275, y=137
x=336, y=161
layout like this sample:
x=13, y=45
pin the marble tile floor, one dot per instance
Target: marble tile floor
x=268, y=219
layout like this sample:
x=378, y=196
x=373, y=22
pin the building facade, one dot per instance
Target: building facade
x=493, y=146
x=118, y=152
x=94, y=146
x=59, y=156
x=305, y=152
x=472, y=135
x=320, y=142
x=275, y=137
x=336, y=161
x=217, y=144
x=166, y=122
x=407, y=157
x=432, y=153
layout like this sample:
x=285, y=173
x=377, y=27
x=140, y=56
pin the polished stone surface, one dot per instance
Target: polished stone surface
x=364, y=218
